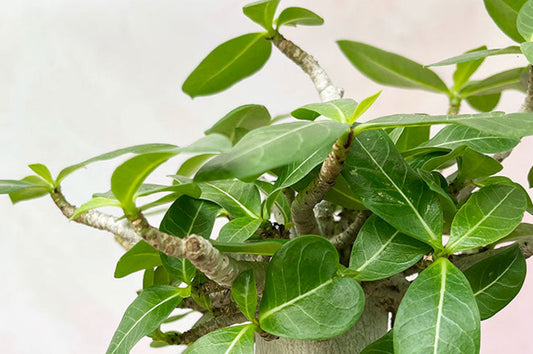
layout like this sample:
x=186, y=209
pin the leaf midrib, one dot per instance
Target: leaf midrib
x=440, y=306
x=236, y=339
x=248, y=211
x=378, y=252
x=496, y=280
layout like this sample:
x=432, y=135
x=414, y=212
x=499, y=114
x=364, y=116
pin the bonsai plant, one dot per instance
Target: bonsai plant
x=340, y=236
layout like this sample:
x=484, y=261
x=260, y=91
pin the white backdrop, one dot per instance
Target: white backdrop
x=79, y=78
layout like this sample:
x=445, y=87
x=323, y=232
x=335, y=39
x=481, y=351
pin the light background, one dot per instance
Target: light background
x=79, y=78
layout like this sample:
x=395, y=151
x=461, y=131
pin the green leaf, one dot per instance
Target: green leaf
x=42, y=171
x=522, y=231
x=339, y=110
x=474, y=165
x=496, y=280
x=507, y=80
x=228, y=64
x=94, y=203
x=262, y=12
x=139, y=257
x=211, y=144
x=484, y=103
x=437, y=183
x=527, y=50
x=524, y=21
x=240, y=121
x=280, y=201
x=384, y=345
x=128, y=177
x=187, y=216
x=143, y=316
x=267, y=247
x=465, y=70
x=453, y=136
x=244, y=293
x=9, y=185
x=363, y=106
x=137, y=149
x=190, y=189
x=380, y=251
x=391, y=69
x=476, y=54
x=379, y=177
x=38, y=188
x=265, y=148
x=179, y=268
x=236, y=339
x=239, y=229
x=303, y=299
x=489, y=214
x=237, y=197
x=504, y=13
x=514, y=125
x=410, y=137
x=342, y=194
x=192, y=164
x=292, y=16
x=438, y=314
x=530, y=177
x=505, y=180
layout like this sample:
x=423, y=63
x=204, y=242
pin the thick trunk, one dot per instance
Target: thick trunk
x=371, y=326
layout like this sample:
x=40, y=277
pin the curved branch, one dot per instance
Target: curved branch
x=347, y=237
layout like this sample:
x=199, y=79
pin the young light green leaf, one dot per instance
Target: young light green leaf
x=143, y=316
x=228, y=64
x=266, y=248
x=384, y=345
x=484, y=103
x=262, y=12
x=139, y=257
x=240, y=121
x=339, y=110
x=476, y=54
x=489, y=215
x=504, y=13
x=292, y=16
x=236, y=339
x=244, y=293
x=303, y=299
x=527, y=50
x=128, y=177
x=94, y=203
x=211, y=144
x=474, y=165
x=42, y=171
x=524, y=21
x=507, y=80
x=265, y=148
x=380, y=251
x=37, y=187
x=438, y=314
x=496, y=280
x=380, y=177
x=391, y=69
x=363, y=106
x=239, y=229
x=192, y=164
x=10, y=185
x=179, y=268
x=465, y=70
x=237, y=197
x=187, y=216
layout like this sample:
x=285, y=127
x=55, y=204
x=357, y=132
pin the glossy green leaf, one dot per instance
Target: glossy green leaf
x=139, y=257
x=266, y=247
x=211, y=144
x=240, y=121
x=504, y=13
x=363, y=106
x=280, y=201
x=189, y=189
x=484, y=103
x=496, y=280
x=530, y=177
x=94, y=203
x=179, y=268
x=505, y=180
x=239, y=229
x=148, y=278
x=128, y=177
x=137, y=149
x=266, y=148
x=453, y=136
x=42, y=171
x=292, y=16
x=437, y=183
x=9, y=185
x=524, y=21
x=489, y=215
x=238, y=198
x=143, y=316
x=380, y=251
x=379, y=177
x=465, y=70
x=522, y=231
x=474, y=165
x=444, y=160
x=384, y=345
x=236, y=339
x=390, y=69
x=340, y=110
x=262, y=12
x=507, y=80
x=514, y=125
x=410, y=137
x=438, y=314
x=37, y=187
x=228, y=64
x=342, y=194
x=244, y=293
x=187, y=216
x=192, y=164
x=476, y=54
x=527, y=50
x=303, y=298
